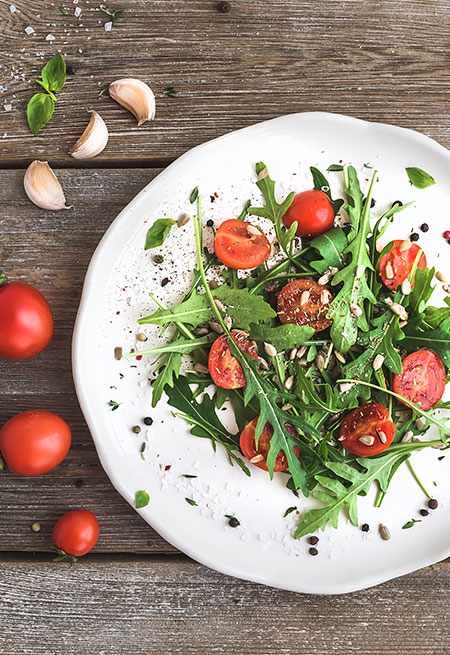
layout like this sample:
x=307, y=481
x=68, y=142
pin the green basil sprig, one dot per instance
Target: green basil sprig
x=158, y=232
x=41, y=106
x=419, y=178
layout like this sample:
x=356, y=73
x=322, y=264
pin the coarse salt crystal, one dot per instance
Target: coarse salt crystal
x=30, y=30
x=77, y=12
x=49, y=37
x=7, y=107
x=108, y=26
x=12, y=9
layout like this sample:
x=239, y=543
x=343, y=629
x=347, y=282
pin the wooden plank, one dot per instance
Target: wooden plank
x=383, y=61
x=144, y=605
x=52, y=251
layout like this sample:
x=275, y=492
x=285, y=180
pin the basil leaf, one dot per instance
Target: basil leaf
x=40, y=109
x=335, y=167
x=54, y=73
x=64, y=11
x=141, y=499
x=158, y=232
x=419, y=178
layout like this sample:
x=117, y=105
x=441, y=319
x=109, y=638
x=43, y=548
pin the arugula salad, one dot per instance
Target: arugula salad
x=323, y=343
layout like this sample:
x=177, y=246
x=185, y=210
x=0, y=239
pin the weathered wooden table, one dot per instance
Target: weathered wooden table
x=384, y=61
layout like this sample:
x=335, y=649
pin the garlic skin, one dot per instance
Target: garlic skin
x=136, y=96
x=43, y=188
x=93, y=140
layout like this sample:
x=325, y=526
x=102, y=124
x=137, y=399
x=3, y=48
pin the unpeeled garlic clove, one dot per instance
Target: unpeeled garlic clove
x=136, y=96
x=93, y=140
x=42, y=187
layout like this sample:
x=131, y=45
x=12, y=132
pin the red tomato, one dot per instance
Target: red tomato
x=248, y=446
x=305, y=302
x=34, y=442
x=26, y=321
x=396, y=265
x=236, y=247
x=371, y=421
x=422, y=379
x=313, y=212
x=225, y=369
x=76, y=533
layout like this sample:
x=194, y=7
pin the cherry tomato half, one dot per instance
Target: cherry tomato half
x=396, y=265
x=76, y=533
x=237, y=247
x=225, y=369
x=26, y=321
x=305, y=302
x=248, y=446
x=371, y=423
x=34, y=442
x=422, y=379
x=313, y=212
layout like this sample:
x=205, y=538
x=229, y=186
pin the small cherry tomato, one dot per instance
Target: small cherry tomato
x=34, y=442
x=76, y=533
x=422, y=379
x=305, y=302
x=225, y=369
x=313, y=212
x=248, y=446
x=26, y=321
x=241, y=245
x=396, y=265
x=367, y=430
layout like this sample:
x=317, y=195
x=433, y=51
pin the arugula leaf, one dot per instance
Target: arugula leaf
x=433, y=316
x=437, y=340
x=243, y=307
x=244, y=211
x=283, y=337
x=40, y=109
x=419, y=178
x=330, y=245
x=141, y=499
x=337, y=496
x=168, y=372
x=158, y=232
x=421, y=292
x=321, y=184
x=182, y=346
x=54, y=73
x=347, y=308
x=202, y=415
x=194, y=195
x=335, y=167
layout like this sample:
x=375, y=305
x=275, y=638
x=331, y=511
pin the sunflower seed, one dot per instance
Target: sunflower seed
x=406, y=287
x=420, y=423
x=201, y=368
x=292, y=354
x=201, y=331
x=264, y=364
x=324, y=297
x=402, y=324
x=441, y=277
x=340, y=357
x=304, y=297
x=253, y=231
x=399, y=310
x=346, y=386
x=213, y=285
x=407, y=436
x=273, y=250
x=381, y=436
x=384, y=532
x=301, y=351
x=302, y=361
x=378, y=362
x=334, y=270
x=215, y=327
x=270, y=349
x=220, y=306
x=341, y=438
x=446, y=288
x=405, y=245
x=324, y=279
x=289, y=383
x=360, y=271
x=286, y=406
x=389, y=271
x=183, y=219
x=118, y=353
x=264, y=173
x=320, y=362
x=141, y=336
x=367, y=440
x=228, y=322
x=256, y=459
x=355, y=309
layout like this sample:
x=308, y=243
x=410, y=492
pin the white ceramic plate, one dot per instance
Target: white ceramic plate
x=119, y=279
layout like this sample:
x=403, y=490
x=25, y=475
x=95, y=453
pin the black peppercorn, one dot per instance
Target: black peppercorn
x=158, y=259
x=433, y=503
x=148, y=420
x=424, y=227
x=223, y=7
x=365, y=527
x=414, y=236
x=210, y=223
x=313, y=540
x=233, y=523
x=397, y=202
x=313, y=551
x=424, y=512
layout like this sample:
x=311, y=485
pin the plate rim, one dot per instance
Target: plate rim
x=102, y=451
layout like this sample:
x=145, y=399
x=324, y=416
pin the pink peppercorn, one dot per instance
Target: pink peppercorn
x=447, y=234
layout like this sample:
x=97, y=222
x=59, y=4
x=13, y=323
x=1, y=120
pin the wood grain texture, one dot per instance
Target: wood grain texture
x=384, y=61
x=141, y=606
x=52, y=250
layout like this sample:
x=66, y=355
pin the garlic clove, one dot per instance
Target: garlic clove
x=136, y=96
x=93, y=140
x=42, y=187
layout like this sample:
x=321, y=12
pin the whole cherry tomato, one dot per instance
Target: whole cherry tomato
x=76, y=533
x=313, y=212
x=26, y=321
x=34, y=442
